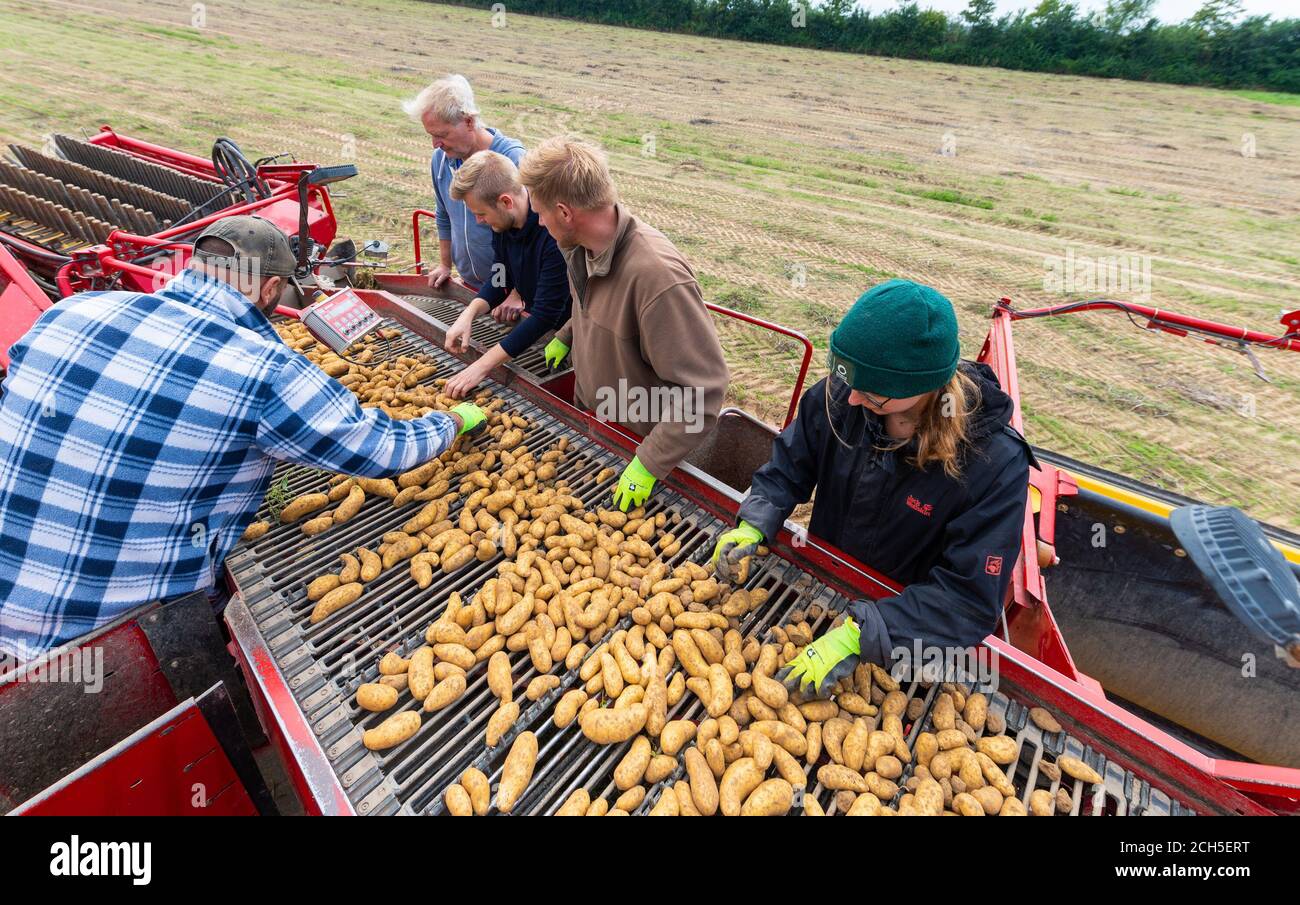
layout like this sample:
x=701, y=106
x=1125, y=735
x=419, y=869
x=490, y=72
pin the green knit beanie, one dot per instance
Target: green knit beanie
x=898, y=340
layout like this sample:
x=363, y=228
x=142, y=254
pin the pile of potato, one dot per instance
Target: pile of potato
x=753, y=756
x=391, y=385
x=592, y=599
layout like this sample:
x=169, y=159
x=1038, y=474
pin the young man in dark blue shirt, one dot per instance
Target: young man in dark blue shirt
x=527, y=260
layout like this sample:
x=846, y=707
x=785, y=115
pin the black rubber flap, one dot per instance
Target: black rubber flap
x=1249, y=574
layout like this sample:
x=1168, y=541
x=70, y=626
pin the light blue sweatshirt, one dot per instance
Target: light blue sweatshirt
x=471, y=242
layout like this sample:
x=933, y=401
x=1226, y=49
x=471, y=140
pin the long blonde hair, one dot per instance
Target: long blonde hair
x=942, y=429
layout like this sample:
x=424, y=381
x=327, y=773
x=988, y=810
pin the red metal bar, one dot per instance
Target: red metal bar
x=172, y=766
x=300, y=750
x=415, y=232
x=1169, y=321
x=1030, y=623
x=21, y=303
x=784, y=331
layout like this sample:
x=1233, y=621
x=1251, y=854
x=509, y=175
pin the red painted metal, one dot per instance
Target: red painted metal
x=415, y=234
x=1030, y=623
x=314, y=781
x=784, y=331
x=116, y=262
x=21, y=302
x=160, y=770
x=1172, y=322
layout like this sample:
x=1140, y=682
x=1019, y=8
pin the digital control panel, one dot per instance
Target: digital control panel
x=340, y=319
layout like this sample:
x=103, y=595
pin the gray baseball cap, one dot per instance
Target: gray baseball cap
x=255, y=240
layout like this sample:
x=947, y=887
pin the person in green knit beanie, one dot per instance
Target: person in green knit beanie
x=918, y=475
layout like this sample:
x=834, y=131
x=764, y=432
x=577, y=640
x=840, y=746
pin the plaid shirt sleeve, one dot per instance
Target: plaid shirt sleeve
x=311, y=419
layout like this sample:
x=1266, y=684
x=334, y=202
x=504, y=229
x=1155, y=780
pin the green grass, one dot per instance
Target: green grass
x=949, y=196
x=1270, y=97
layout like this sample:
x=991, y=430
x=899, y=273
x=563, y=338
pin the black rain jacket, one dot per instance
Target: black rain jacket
x=951, y=543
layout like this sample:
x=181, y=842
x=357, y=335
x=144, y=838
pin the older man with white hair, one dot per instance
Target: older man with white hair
x=448, y=112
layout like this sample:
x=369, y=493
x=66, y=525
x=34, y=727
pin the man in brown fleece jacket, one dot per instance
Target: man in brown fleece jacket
x=645, y=351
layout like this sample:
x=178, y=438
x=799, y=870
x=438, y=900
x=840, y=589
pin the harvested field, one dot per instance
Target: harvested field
x=792, y=180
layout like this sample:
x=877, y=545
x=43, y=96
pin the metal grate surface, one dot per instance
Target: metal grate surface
x=324, y=664
x=486, y=330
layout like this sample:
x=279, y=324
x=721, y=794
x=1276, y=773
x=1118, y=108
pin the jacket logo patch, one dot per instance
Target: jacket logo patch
x=926, y=509
x=993, y=565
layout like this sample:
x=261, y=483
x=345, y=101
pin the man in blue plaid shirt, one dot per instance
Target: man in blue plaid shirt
x=138, y=434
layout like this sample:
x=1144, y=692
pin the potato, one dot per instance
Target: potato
x=865, y=805
x=1074, y=768
x=818, y=711
x=500, y=722
x=420, y=673
x=967, y=805
x=769, y=691
x=977, y=711
x=457, y=801
x=393, y=731
x=889, y=767
x=1044, y=720
x=371, y=564
x=540, y=686
x=608, y=726
x=334, y=601
x=666, y=806
x=884, y=789
x=856, y=745
x=321, y=586
x=375, y=697
x=480, y=792
x=1012, y=807
x=566, y=709
x=772, y=798
x=500, y=682
x=836, y=777
x=351, y=569
x=1041, y=803
x=350, y=506
x=675, y=734
x=990, y=799
x=631, y=769
x=1002, y=749
x=398, y=682
x=943, y=715
x=929, y=797
x=254, y=531
x=720, y=690
x=703, y=785
x=462, y=557
x=393, y=663
x=629, y=800
x=303, y=505
x=517, y=772
x=661, y=767
x=784, y=735
x=445, y=692
x=740, y=779
x=575, y=805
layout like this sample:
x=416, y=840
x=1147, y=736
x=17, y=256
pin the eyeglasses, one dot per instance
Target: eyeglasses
x=871, y=401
